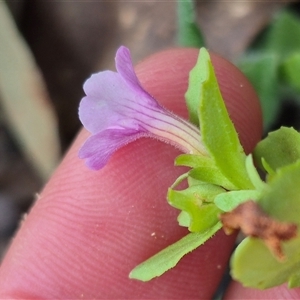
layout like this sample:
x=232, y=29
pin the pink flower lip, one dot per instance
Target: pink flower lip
x=117, y=111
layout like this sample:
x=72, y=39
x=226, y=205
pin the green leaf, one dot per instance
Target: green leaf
x=294, y=280
x=254, y=266
x=192, y=181
x=184, y=219
x=179, y=180
x=204, y=170
x=194, y=161
x=195, y=201
x=262, y=70
x=283, y=36
x=211, y=175
x=280, y=148
x=189, y=34
x=230, y=200
x=281, y=198
x=206, y=217
x=253, y=174
x=170, y=256
x=252, y=263
x=267, y=167
x=219, y=136
x=198, y=75
x=263, y=66
x=290, y=71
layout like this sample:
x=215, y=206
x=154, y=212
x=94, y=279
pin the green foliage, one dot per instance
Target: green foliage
x=252, y=262
x=254, y=266
x=224, y=179
x=280, y=148
x=253, y=174
x=262, y=70
x=290, y=71
x=198, y=75
x=189, y=34
x=211, y=174
x=205, y=103
x=169, y=257
x=197, y=201
x=281, y=198
x=193, y=161
x=272, y=64
x=230, y=200
x=283, y=36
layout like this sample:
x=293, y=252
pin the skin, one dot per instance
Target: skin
x=88, y=229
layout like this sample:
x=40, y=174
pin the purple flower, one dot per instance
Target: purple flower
x=117, y=111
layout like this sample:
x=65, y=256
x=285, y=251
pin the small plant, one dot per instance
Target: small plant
x=224, y=188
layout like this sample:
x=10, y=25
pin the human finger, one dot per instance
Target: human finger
x=88, y=229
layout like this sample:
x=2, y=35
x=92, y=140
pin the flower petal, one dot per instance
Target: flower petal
x=100, y=108
x=125, y=68
x=98, y=148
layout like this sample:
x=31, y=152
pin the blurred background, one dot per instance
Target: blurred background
x=49, y=48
